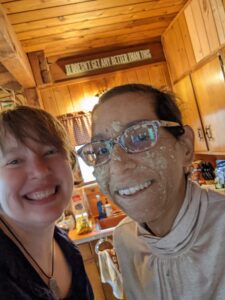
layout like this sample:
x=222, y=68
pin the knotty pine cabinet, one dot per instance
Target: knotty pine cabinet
x=190, y=114
x=178, y=48
x=209, y=86
x=195, y=34
x=202, y=102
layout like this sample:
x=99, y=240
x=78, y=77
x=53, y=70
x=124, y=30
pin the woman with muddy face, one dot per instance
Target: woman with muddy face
x=141, y=153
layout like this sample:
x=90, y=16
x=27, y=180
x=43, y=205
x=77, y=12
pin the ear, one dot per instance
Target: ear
x=187, y=142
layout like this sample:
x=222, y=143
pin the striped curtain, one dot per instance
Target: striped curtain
x=78, y=127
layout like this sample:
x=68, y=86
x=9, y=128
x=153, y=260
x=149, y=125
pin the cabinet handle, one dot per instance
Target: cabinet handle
x=208, y=133
x=200, y=134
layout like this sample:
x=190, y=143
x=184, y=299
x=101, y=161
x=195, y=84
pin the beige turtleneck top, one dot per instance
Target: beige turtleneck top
x=186, y=264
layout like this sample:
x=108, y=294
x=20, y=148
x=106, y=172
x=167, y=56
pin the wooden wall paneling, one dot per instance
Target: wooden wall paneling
x=182, y=64
x=143, y=76
x=186, y=40
x=131, y=76
x=168, y=45
x=188, y=106
x=114, y=79
x=175, y=51
x=77, y=95
x=48, y=101
x=219, y=17
x=210, y=26
x=194, y=32
x=210, y=93
x=63, y=99
x=159, y=77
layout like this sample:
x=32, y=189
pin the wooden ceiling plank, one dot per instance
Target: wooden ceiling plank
x=125, y=41
x=101, y=16
x=69, y=31
x=28, y=5
x=11, y=54
x=74, y=8
x=87, y=36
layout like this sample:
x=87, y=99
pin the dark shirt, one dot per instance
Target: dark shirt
x=20, y=281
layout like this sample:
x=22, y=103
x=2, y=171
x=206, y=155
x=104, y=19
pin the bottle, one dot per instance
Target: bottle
x=108, y=209
x=101, y=208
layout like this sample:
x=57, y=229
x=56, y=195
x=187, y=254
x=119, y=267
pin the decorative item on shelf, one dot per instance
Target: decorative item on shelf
x=220, y=174
x=202, y=172
x=8, y=98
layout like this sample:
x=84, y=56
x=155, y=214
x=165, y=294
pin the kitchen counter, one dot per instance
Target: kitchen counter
x=95, y=234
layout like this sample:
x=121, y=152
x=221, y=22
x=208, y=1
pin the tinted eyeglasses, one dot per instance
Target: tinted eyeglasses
x=137, y=138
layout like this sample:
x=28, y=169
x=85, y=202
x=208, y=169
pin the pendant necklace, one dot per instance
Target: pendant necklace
x=52, y=283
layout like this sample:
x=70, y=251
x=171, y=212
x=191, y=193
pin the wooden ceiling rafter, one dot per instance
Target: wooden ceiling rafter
x=12, y=55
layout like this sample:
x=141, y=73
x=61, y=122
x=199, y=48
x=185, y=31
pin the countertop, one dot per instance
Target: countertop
x=95, y=234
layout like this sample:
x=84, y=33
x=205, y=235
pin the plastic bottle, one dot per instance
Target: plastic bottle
x=101, y=208
x=108, y=209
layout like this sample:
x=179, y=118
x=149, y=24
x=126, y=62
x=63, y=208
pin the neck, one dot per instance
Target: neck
x=36, y=240
x=163, y=225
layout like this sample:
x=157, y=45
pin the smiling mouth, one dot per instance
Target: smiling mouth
x=134, y=189
x=37, y=196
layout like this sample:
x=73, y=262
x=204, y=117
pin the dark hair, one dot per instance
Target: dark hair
x=164, y=103
x=28, y=122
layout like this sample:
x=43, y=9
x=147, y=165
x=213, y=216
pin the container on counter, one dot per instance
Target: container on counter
x=101, y=208
x=108, y=209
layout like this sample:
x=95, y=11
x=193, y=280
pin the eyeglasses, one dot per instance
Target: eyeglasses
x=137, y=138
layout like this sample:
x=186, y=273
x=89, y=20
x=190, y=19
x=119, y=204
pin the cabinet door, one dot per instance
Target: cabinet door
x=187, y=104
x=209, y=85
x=202, y=27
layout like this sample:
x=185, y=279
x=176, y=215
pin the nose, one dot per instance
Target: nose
x=38, y=168
x=121, y=160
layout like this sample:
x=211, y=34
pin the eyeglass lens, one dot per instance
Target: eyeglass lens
x=134, y=139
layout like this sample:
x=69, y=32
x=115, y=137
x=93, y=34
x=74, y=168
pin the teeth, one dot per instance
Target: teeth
x=132, y=190
x=41, y=195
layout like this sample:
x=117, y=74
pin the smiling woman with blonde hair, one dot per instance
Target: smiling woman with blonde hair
x=37, y=259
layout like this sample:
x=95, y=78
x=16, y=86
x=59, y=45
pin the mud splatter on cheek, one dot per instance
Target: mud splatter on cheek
x=116, y=126
x=156, y=160
x=115, y=156
x=101, y=174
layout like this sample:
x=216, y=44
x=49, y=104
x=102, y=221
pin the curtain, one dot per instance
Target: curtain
x=78, y=127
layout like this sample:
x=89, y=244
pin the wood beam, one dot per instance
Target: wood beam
x=32, y=97
x=12, y=55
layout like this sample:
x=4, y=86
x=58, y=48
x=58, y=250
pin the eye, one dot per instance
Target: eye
x=13, y=162
x=102, y=151
x=50, y=151
x=139, y=137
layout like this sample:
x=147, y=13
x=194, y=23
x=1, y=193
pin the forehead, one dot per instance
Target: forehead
x=122, y=110
x=9, y=142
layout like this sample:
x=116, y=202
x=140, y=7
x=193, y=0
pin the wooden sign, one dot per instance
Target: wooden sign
x=107, y=62
x=81, y=66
